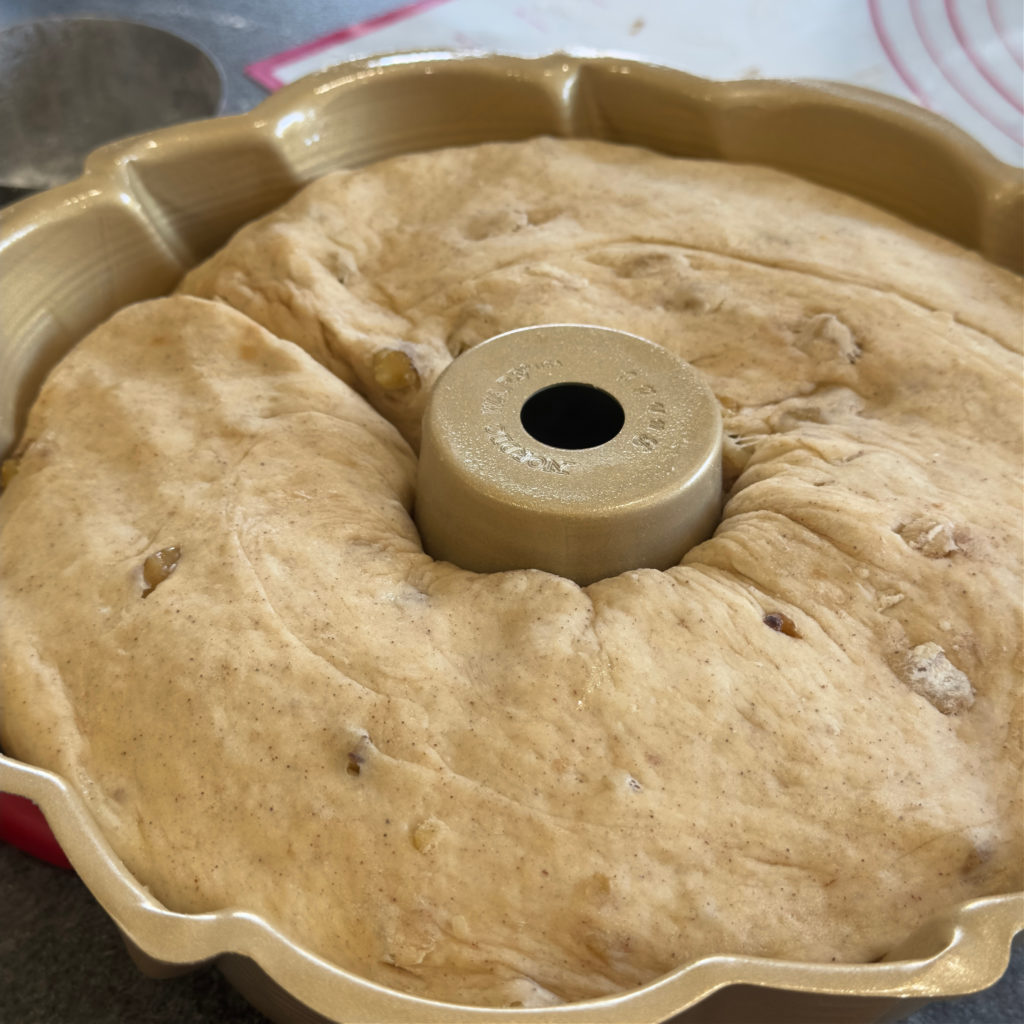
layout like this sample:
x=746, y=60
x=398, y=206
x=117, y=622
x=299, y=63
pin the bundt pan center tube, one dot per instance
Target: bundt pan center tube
x=149, y=209
x=575, y=449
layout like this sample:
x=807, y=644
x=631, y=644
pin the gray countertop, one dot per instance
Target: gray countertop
x=61, y=959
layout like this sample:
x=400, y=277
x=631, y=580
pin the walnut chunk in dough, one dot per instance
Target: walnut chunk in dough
x=933, y=538
x=931, y=674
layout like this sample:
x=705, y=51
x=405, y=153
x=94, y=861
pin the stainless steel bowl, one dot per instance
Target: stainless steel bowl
x=68, y=85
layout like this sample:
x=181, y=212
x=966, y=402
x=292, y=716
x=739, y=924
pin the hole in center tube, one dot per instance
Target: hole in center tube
x=572, y=416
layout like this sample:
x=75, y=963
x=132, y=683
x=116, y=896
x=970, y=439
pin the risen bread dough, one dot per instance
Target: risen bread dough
x=802, y=742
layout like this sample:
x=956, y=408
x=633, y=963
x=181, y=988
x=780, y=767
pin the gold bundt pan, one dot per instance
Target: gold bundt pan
x=148, y=208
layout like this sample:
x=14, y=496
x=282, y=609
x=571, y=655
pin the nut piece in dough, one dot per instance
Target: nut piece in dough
x=933, y=538
x=932, y=675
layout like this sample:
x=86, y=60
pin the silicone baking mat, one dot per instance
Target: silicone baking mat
x=961, y=58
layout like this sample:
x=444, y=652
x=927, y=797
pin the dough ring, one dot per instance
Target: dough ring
x=800, y=742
